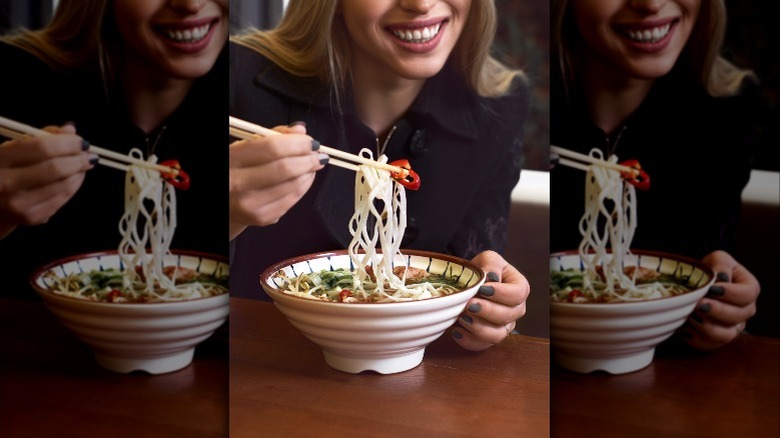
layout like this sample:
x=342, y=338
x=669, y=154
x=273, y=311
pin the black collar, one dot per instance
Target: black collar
x=444, y=100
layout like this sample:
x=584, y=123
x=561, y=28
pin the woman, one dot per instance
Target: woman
x=122, y=74
x=644, y=80
x=409, y=79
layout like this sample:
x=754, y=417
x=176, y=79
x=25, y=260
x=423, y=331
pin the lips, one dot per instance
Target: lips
x=418, y=32
x=187, y=33
x=192, y=35
x=417, y=35
x=649, y=33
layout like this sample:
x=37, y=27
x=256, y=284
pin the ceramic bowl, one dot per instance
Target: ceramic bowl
x=152, y=337
x=621, y=337
x=382, y=337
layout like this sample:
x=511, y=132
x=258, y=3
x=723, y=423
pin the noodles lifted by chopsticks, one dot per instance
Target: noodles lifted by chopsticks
x=377, y=228
x=147, y=228
x=380, y=217
x=607, y=229
x=609, y=222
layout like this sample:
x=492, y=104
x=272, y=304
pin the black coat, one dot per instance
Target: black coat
x=196, y=134
x=696, y=149
x=467, y=150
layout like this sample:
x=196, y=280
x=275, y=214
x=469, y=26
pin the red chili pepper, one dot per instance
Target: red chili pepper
x=113, y=295
x=640, y=180
x=180, y=180
x=574, y=294
x=406, y=177
x=344, y=294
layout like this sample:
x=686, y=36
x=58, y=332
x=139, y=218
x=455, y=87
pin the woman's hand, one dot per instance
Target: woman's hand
x=39, y=175
x=269, y=175
x=722, y=314
x=500, y=302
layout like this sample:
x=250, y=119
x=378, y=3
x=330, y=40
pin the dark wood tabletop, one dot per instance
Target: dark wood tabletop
x=731, y=392
x=280, y=386
x=50, y=385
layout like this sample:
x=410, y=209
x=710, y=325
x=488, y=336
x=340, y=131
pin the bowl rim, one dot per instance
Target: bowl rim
x=47, y=294
x=698, y=264
x=343, y=252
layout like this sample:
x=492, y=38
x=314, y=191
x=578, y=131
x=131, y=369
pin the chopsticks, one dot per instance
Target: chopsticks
x=246, y=130
x=571, y=156
x=17, y=131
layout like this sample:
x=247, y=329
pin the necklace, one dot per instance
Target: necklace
x=381, y=150
x=151, y=148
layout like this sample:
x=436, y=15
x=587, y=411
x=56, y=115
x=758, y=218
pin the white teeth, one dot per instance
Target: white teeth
x=190, y=35
x=418, y=35
x=649, y=35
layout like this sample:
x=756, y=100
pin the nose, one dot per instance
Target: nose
x=418, y=6
x=650, y=6
x=187, y=5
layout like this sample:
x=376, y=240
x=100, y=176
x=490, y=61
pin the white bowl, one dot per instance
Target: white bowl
x=621, y=337
x=382, y=337
x=153, y=337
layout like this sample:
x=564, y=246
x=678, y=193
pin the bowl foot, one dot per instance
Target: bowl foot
x=613, y=365
x=383, y=365
x=151, y=365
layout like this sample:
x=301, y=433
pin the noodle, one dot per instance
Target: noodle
x=607, y=228
x=147, y=228
x=377, y=228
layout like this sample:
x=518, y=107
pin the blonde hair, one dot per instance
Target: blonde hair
x=309, y=41
x=717, y=75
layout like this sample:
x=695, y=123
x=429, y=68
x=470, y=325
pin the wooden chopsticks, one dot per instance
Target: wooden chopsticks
x=246, y=130
x=568, y=158
x=16, y=130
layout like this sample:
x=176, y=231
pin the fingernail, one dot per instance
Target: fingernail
x=474, y=308
x=315, y=145
x=716, y=291
x=324, y=158
x=487, y=291
x=297, y=123
x=685, y=334
x=94, y=160
x=84, y=145
x=722, y=276
x=467, y=319
x=705, y=308
x=457, y=335
x=697, y=318
x=492, y=276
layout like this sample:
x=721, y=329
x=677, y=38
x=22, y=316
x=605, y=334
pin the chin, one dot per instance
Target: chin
x=191, y=70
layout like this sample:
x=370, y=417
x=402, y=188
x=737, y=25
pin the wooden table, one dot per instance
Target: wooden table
x=280, y=386
x=50, y=385
x=731, y=392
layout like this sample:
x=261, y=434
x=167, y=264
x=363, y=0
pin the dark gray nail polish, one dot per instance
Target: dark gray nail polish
x=722, y=276
x=84, y=145
x=297, y=123
x=467, y=319
x=716, y=291
x=457, y=335
x=94, y=160
x=492, y=276
x=487, y=291
x=474, y=308
x=705, y=308
x=315, y=145
x=697, y=318
x=324, y=160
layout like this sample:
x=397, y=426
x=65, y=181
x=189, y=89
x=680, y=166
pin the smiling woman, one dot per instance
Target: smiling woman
x=408, y=80
x=126, y=81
